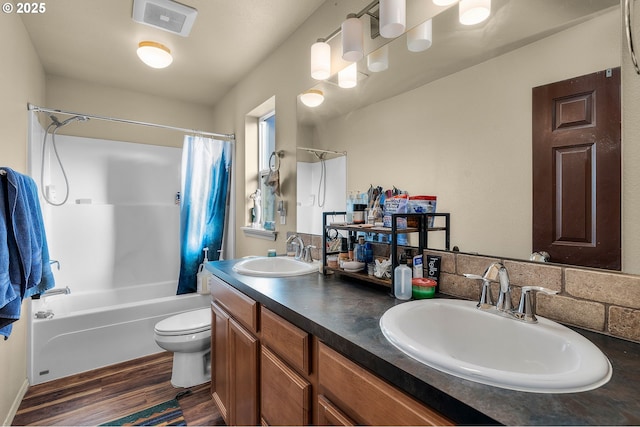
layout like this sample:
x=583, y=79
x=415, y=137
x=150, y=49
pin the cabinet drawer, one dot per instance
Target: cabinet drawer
x=237, y=304
x=366, y=398
x=329, y=415
x=290, y=342
x=285, y=395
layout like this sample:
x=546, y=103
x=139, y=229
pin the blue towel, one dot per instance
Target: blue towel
x=24, y=255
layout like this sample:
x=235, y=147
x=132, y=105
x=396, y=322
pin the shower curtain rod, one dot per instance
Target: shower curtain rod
x=228, y=136
x=316, y=150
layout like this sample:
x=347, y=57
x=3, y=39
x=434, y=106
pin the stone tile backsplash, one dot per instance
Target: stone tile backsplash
x=601, y=301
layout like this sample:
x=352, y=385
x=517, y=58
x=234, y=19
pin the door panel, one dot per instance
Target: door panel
x=577, y=170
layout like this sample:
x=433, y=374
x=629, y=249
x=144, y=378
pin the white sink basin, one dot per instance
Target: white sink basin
x=455, y=337
x=274, y=267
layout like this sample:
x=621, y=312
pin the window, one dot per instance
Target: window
x=266, y=147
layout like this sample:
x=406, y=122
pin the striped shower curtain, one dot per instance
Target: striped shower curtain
x=206, y=179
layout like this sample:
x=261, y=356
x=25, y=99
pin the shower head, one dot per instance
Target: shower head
x=72, y=119
x=54, y=120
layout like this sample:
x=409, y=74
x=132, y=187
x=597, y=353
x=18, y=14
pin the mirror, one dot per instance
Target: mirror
x=455, y=121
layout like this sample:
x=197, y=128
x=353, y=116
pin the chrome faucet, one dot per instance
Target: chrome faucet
x=57, y=291
x=306, y=253
x=504, y=299
x=526, y=310
x=299, y=245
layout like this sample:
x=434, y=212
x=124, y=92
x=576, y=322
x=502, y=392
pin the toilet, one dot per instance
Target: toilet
x=188, y=336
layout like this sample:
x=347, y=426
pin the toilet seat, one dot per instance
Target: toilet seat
x=190, y=322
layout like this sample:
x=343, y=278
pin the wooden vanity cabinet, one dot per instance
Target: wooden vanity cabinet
x=349, y=392
x=265, y=370
x=286, y=387
x=235, y=354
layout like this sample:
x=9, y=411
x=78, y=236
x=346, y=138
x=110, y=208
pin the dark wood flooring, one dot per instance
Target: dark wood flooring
x=112, y=392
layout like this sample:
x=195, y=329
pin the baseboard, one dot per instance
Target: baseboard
x=16, y=403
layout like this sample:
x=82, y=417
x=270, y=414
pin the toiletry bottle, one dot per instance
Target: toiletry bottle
x=202, y=277
x=344, y=253
x=402, y=280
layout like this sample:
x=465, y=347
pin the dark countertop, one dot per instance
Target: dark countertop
x=345, y=314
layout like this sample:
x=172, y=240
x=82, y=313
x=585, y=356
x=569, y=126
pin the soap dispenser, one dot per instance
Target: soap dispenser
x=202, y=278
x=402, y=280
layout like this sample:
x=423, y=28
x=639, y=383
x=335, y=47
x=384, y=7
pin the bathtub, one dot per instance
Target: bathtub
x=93, y=329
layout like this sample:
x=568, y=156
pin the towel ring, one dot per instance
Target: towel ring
x=628, y=11
x=274, y=160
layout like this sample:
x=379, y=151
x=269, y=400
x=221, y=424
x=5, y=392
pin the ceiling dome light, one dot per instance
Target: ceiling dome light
x=378, y=60
x=312, y=98
x=393, y=18
x=444, y=2
x=155, y=55
x=352, y=39
x=420, y=38
x=474, y=11
x=348, y=77
x=320, y=60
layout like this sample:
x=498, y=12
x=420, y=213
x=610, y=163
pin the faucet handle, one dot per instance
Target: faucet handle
x=306, y=254
x=486, y=299
x=527, y=307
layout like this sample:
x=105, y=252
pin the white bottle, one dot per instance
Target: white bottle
x=402, y=281
x=202, y=278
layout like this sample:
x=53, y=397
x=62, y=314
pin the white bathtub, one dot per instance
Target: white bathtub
x=93, y=329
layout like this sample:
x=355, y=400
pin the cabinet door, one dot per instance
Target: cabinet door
x=284, y=394
x=366, y=398
x=330, y=415
x=243, y=374
x=220, y=360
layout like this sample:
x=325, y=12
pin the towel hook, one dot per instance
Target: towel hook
x=274, y=160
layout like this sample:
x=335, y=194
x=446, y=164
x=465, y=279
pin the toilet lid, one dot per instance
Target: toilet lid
x=189, y=322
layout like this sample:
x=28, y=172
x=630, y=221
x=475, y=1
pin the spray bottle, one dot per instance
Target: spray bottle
x=202, y=278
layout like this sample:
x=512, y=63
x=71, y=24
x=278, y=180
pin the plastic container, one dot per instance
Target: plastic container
x=402, y=288
x=202, y=277
x=423, y=288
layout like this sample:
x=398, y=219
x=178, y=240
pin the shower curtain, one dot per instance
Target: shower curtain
x=206, y=179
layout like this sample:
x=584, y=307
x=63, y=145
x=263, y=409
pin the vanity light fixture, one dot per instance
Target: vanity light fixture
x=352, y=39
x=312, y=98
x=348, y=77
x=444, y=2
x=320, y=60
x=420, y=37
x=154, y=54
x=378, y=60
x=393, y=18
x=473, y=12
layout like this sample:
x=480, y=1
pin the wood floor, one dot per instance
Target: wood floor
x=109, y=393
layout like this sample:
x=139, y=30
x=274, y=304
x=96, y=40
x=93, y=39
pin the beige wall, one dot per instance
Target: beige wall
x=284, y=74
x=467, y=137
x=21, y=81
x=91, y=98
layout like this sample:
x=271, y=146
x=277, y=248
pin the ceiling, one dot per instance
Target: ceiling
x=96, y=41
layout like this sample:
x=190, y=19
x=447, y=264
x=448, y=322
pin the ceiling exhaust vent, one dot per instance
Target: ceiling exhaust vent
x=167, y=15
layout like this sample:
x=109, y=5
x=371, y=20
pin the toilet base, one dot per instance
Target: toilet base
x=191, y=369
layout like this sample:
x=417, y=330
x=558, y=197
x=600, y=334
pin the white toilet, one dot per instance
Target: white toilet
x=188, y=336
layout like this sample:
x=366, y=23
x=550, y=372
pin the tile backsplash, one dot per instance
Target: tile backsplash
x=598, y=300
x=602, y=301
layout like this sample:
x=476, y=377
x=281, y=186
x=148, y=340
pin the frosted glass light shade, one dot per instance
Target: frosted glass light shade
x=352, y=39
x=312, y=98
x=473, y=12
x=348, y=77
x=155, y=55
x=444, y=2
x=420, y=37
x=378, y=60
x=393, y=18
x=320, y=60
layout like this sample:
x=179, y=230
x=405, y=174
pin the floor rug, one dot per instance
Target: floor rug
x=164, y=414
